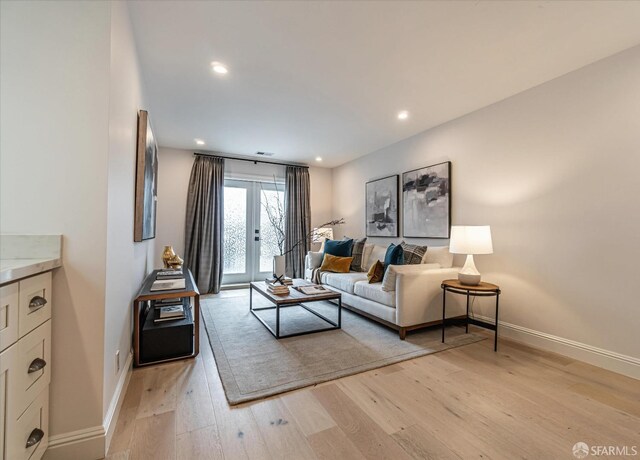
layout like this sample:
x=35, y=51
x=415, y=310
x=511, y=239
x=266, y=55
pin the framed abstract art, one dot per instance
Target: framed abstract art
x=382, y=207
x=426, y=202
x=146, y=180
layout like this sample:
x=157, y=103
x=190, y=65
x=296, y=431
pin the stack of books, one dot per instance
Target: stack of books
x=313, y=289
x=285, y=280
x=170, y=274
x=278, y=289
x=168, y=280
x=168, y=310
x=168, y=285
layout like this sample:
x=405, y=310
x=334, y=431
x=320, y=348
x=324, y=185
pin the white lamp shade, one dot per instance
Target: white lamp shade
x=474, y=239
x=321, y=234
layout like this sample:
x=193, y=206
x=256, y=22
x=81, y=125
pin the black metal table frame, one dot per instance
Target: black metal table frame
x=277, y=307
x=476, y=322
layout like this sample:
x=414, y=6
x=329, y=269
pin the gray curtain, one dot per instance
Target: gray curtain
x=298, y=220
x=203, y=226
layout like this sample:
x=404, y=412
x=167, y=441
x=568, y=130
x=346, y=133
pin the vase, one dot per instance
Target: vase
x=278, y=266
x=167, y=255
x=175, y=262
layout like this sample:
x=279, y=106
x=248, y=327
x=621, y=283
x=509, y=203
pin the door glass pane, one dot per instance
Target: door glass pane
x=271, y=227
x=235, y=230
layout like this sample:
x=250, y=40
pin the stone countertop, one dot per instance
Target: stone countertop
x=15, y=269
x=28, y=255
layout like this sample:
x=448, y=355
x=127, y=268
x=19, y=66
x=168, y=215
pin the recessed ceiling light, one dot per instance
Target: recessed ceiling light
x=318, y=158
x=199, y=141
x=403, y=115
x=218, y=67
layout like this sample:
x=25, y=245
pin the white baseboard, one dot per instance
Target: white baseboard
x=88, y=443
x=111, y=417
x=92, y=443
x=610, y=360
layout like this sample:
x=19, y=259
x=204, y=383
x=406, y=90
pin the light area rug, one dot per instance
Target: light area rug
x=252, y=364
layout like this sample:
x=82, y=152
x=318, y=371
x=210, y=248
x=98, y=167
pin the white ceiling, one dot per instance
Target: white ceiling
x=327, y=79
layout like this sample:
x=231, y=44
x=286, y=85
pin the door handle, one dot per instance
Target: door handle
x=256, y=238
x=37, y=302
x=35, y=437
x=36, y=365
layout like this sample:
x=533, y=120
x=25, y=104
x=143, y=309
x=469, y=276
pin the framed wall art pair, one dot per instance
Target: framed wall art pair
x=426, y=203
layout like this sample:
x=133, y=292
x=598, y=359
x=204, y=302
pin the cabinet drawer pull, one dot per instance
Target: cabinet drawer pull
x=36, y=365
x=35, y=437
x=37, y=303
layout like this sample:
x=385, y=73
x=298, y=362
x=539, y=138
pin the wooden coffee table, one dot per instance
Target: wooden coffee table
x=295, y=298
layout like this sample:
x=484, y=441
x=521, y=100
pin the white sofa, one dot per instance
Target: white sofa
x=416, y=300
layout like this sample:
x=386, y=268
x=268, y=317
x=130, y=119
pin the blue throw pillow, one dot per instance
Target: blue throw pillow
x=340, y=248
x=393, y=256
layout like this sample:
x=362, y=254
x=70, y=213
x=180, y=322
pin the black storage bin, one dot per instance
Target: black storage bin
x=167, y=339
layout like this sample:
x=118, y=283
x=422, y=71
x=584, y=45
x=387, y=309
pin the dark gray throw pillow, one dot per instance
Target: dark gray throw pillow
x=356, y=253
x=413, y=253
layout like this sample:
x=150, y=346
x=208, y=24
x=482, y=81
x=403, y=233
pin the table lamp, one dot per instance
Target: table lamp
x=321, y=234
x=470, y=240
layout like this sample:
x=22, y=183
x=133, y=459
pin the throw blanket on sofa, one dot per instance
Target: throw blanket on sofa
x=315, y=275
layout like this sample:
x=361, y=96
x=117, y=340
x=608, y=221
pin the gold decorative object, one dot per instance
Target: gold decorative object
x=176, y=262
x=167, y=255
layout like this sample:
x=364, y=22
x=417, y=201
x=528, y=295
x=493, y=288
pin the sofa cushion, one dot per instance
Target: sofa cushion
x=376, y=272
x=393, y=256
x=366, y=256
x=340, y=248
x=389, y=279
x=343, y=281
x=375, y=293
x=377, y=253
x=336, y=264
x=376, y=309
x=314, y=259
x=413, y=253
x=438, y=255
x=357, y=253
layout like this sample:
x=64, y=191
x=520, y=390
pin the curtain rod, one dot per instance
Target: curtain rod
x=249, y=159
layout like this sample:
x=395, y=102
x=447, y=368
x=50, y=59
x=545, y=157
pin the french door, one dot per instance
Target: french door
x=253, y=229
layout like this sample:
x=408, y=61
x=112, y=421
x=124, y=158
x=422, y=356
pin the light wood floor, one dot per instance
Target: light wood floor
x=462, y=403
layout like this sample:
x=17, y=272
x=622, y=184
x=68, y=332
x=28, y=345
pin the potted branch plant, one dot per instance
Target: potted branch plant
x=275, y=210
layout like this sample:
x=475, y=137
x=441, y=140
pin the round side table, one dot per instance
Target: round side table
x=481, y=290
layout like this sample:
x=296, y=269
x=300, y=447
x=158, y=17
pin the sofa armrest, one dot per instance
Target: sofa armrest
x=419, y=295
x=390, y=274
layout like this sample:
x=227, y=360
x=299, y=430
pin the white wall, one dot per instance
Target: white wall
x=70, y=91
x=321, y=196
x=174, y=169
x=54, y=145
x=127, y=262
x=173, y=182
x=554, y=171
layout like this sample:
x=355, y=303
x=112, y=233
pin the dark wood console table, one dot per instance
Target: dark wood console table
x=142, y=305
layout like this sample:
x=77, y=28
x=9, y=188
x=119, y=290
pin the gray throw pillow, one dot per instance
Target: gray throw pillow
x=413, y=254
x=356, y=253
